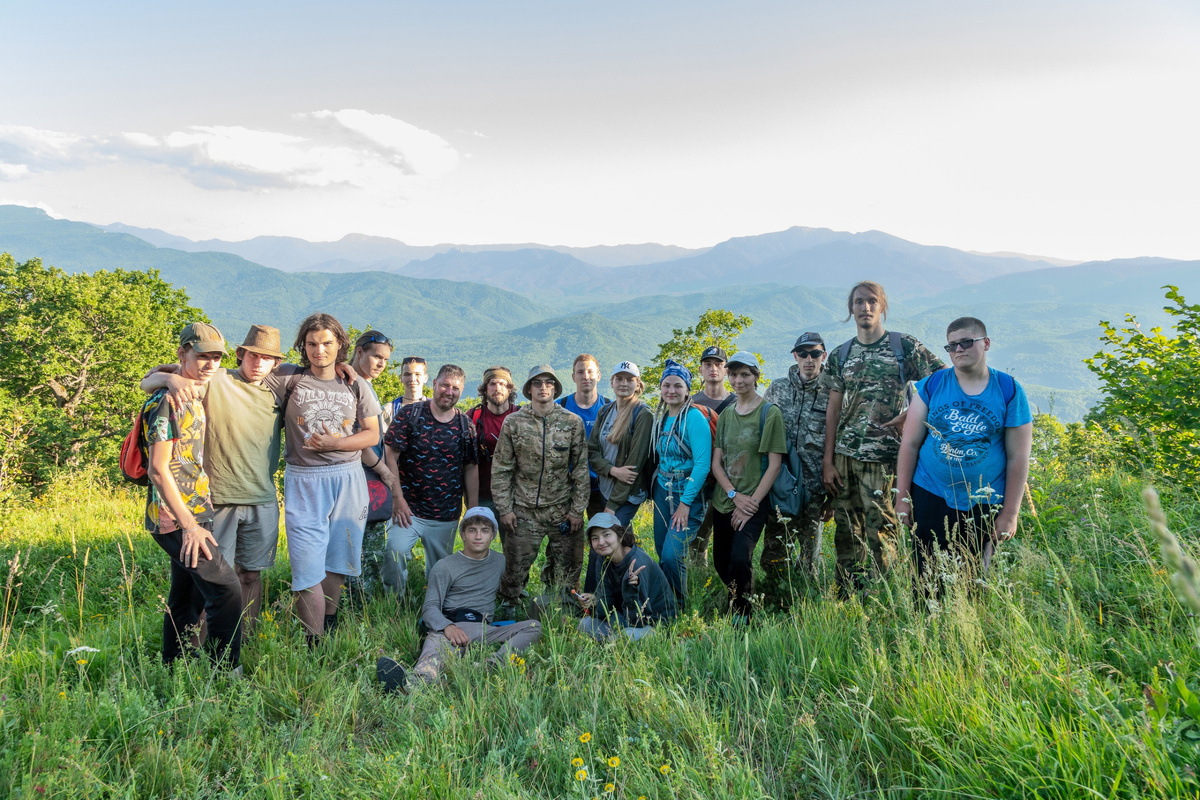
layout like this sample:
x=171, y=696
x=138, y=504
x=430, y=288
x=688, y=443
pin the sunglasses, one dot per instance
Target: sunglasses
x=411, y=360
x=963, y=344
x=809, y=353
x=538, y=383
x=381, y=339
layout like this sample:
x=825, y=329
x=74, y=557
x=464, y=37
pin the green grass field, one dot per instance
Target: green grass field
x=1053, y=679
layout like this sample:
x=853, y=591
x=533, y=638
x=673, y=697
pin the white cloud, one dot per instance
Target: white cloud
x=350, y=148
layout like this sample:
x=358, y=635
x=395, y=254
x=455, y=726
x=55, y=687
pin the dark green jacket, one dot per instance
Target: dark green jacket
x=631, y=452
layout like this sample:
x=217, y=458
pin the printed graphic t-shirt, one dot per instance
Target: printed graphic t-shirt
x=431, y=459
x=185, y=430
x=963, y=455
x=242, y=440
x=319, y=406
x=742, y=449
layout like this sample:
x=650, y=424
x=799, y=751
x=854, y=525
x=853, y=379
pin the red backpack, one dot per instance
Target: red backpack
x=134, y=462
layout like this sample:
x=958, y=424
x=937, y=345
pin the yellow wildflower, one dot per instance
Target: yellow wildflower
x=81, y=661
x=585, y=738
x=576, y=762
x=63, y=695
x=614, y=762
x=665, y=769
x=608, y=788
x=581, y=775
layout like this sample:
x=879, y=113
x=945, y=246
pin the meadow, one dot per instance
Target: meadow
x=1069, y=672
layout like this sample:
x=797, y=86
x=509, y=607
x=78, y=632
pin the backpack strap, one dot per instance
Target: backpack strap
x=843, y=353
x=896, y=340
x=934, y=381
x=762, y=423
x=1008, y=387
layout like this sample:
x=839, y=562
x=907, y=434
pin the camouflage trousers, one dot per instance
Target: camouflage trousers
x=793, y=543
x=511, y=638
x=866, y=538
x=564, y=552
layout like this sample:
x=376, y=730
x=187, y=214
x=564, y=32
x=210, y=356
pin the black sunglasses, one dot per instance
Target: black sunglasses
x=963, y=344
x=411, y=360
x=809, y=353
x=373, y=339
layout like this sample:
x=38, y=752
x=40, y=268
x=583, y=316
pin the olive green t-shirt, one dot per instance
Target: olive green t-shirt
x=743, y=447
x=242, y=441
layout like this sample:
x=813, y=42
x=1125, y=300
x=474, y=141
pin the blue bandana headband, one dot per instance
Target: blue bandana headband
x=679, y=371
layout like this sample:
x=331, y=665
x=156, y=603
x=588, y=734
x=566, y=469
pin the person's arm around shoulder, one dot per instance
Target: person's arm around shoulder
x=906, y=462
x=180, y=390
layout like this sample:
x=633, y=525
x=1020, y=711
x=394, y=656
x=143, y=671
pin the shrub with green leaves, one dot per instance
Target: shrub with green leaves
x=1151, y=384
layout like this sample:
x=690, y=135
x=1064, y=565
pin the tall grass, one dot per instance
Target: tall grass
x=1058, y=676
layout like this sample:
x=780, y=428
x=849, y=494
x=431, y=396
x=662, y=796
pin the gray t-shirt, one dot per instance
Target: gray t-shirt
x=241, y=443
x=701, y=399
x=317, y=406
x=460, y=583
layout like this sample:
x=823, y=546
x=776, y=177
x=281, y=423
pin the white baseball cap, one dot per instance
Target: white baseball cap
x=627, y=367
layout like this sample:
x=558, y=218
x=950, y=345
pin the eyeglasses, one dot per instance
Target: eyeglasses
x=809, y=353
x=963, y=344
x=411, y=360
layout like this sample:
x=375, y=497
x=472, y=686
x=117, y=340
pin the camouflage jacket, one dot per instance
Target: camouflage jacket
x=541, y=462
x=872, y=395
x=803, y=407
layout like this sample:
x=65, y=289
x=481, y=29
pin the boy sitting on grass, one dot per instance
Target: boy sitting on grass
x=633, y=594
x=459, y=602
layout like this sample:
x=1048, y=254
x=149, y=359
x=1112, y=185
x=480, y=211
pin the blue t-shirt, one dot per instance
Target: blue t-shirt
x=963, y=452
x=588, y=415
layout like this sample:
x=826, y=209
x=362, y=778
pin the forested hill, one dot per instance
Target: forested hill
x=1043, y=321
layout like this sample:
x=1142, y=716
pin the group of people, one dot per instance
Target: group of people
x=573, y=469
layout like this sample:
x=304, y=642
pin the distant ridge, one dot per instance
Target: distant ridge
x=549, y=305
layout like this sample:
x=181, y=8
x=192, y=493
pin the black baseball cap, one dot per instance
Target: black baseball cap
x=809, y=339
x=714, y=352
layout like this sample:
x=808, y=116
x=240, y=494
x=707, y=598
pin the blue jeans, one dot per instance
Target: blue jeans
x=672, y=545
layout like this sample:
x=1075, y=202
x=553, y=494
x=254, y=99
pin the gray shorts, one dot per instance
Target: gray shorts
x=325, y=514
x=247, y=535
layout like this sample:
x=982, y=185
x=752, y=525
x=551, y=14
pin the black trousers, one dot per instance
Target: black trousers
x=211, y=587
x=732, y=552
x=939, y=528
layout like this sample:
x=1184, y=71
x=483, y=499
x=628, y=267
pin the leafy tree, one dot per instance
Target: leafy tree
x=75, y=349
x=1151, y=385
x=714, y=327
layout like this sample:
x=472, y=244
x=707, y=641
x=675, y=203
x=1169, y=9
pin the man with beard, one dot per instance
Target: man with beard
x=430, y=447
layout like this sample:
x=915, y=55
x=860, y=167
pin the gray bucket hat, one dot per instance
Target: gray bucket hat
x=542, y=369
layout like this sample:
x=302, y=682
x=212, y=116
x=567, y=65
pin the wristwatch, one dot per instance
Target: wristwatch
x=731, y=493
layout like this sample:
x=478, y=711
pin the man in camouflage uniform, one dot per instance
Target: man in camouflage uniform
x=866, y=383
x=540, y=486
x=803, y=400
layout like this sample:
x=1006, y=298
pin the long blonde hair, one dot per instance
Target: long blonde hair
x=620, y=425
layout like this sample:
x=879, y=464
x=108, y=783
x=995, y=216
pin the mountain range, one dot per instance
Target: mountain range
x=521, y=305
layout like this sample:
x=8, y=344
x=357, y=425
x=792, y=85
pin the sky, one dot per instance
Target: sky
x=1059, y=127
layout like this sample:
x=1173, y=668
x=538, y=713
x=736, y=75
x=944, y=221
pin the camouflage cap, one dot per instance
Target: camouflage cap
x=542, y=369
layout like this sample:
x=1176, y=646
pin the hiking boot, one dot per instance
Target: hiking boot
x=392, y=675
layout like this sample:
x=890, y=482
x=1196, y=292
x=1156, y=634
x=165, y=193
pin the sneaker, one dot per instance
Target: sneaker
x=392, y=675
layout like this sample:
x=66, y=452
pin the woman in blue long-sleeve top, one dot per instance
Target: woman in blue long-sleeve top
x=682, y=442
